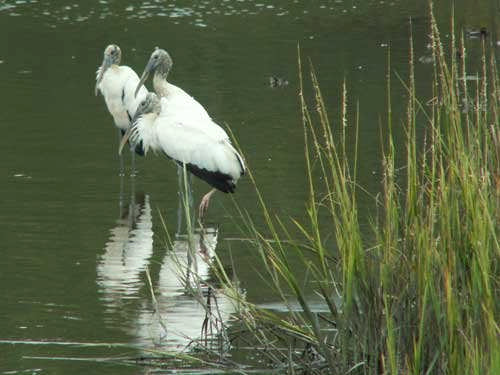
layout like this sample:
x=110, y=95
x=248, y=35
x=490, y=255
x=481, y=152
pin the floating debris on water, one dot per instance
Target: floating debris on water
x=22, y=175
x=426, y=59
x=469, y=77
x=476, y=34
x=275, y=82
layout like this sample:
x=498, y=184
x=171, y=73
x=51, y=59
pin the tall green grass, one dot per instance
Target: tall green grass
x=421, y=293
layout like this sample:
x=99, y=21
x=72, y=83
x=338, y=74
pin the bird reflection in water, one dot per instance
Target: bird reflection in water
x=184, y=306
x=187, y=308
x=127, y=251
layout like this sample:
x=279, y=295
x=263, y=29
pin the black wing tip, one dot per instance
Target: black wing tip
x=221, y=181
x=139, y=149
x=231, y=187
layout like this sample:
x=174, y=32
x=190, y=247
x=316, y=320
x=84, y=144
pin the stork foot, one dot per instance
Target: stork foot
x=205, y=201
x=203, y=206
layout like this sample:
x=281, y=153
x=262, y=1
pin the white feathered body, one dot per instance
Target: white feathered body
x=184, y=131
x=118, y=86
x=179, y=100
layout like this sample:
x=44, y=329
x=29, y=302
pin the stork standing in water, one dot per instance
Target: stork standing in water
x=160, y=63
x=119, y=85
x=184, y=110
x=202, y=146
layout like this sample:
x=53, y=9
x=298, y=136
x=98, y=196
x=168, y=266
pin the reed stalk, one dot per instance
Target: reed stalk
x=420, y=294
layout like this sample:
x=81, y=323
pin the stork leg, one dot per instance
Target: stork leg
x=121, y=170
x=180, y=207
x=121, y=198
x=204, y=203
x=132, y=205
x=133, y=171
x=185, y=195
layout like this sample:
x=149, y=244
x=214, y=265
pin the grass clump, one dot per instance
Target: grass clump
x=421, y=293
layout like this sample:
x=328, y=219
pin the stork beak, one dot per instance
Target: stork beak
x=144, y=77
x=125, y=138
x=106, y=63
x=129, y=131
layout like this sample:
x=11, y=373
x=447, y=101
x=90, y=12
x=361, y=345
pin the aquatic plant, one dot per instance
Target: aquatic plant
x=421, y=292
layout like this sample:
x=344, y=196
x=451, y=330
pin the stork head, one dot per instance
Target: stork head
x=112, y=56
x=160, y=62
x=150, y=104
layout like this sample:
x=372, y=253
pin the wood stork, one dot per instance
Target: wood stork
x=182, y=105
x=161, y=63
x=200, y=145
x=118, y=85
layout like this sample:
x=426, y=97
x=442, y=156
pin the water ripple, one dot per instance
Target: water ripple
x=199, y=14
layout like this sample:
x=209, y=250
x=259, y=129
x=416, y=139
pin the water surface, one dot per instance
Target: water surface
x=77, y=239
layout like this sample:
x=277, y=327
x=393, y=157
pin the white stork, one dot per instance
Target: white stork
x=118, y=85
x=184, y=109
x=161, y=63
x=198, y=143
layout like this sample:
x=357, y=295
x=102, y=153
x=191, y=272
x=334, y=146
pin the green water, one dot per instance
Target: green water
x=72, y=275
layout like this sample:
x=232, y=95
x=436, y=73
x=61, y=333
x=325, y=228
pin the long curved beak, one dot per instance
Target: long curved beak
x=144, y=77
x=125, y=138
x=106, y=63
x=129, y=131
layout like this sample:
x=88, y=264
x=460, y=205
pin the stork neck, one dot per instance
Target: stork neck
x=160, y=84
